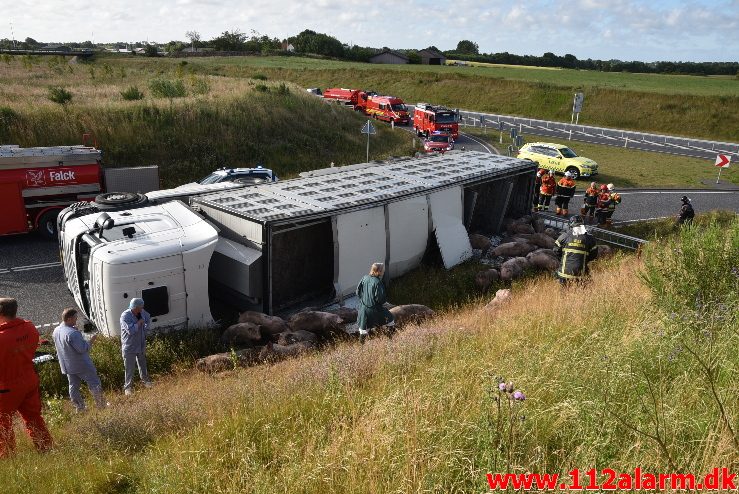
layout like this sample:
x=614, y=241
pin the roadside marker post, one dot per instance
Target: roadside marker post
x=368, y=129
x=722, y=161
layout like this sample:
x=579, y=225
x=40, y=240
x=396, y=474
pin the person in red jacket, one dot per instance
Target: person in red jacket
x=565, y=191
x=587, y=211
x=546, y=191
x=19, y=383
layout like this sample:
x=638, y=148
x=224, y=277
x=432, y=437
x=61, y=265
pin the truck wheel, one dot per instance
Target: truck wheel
x=574, y=171
x=47, y=224
x=120, y=200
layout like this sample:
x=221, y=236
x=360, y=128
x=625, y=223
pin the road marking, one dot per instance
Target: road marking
x=30, y=267
x=481, y=143
x=41, y=327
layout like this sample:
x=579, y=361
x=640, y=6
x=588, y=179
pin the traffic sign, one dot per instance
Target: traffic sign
x=577, y=104
x=723, y=160
x=369, y=128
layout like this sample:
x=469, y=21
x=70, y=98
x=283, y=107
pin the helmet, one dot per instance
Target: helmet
x=568, y=174
x=551, y=172
x=604, y=187
x=594, y=185
x=610, y=187
x=685, y=199
x=576, y=221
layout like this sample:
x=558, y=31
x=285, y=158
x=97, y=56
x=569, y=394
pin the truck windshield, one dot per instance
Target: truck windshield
x=399, y=107
x=211, y=179
x=82, y=254
x=446, y=117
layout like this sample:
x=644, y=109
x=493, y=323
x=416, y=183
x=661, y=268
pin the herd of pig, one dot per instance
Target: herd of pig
x=527, y=245
x=258, y=338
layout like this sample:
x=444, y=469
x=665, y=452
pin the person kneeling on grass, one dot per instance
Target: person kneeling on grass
x=135, y=322
x=371, y=294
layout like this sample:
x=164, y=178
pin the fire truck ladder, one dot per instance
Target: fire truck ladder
x=601, y=234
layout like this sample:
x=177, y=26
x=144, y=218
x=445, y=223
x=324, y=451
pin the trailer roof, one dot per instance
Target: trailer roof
x=325, y=192
x=13, y=156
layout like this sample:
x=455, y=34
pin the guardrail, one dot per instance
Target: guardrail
x=604, y=135
x=601, y=234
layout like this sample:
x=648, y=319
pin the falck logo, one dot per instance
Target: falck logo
x=35, y=178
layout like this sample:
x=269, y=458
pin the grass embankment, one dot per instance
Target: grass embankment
x=220, y=121
x=613, y=375
x=629, y=167
x=675, y=105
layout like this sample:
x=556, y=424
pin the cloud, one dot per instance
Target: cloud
x=624, y=29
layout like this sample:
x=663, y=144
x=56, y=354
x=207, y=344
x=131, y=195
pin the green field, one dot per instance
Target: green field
x=676, y=105
x=658, y=83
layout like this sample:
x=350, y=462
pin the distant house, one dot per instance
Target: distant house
x=287, y=47
x=389, y=56
x=431, y=57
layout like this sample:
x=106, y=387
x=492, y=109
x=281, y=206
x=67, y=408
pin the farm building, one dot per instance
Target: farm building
x=431, y=57
x=389, y=56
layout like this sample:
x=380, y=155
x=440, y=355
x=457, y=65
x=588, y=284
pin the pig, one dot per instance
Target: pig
x=242, y=334
x=321, y=323
x=269, y=325
x=411, y=313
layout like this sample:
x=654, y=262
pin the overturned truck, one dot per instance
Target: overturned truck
x=276, y=246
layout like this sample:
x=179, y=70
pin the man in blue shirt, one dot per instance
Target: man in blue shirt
x=135, y=322
x=73, y=352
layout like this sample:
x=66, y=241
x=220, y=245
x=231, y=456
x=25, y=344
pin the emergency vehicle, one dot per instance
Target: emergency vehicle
x=37, y=183
x=356, y=98
x=428, y=119
x=439, y=142
x=388, y=109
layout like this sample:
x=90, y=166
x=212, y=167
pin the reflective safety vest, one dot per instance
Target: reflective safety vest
x=566, y=187
x=547, y=185
x=576, y=251
x=614, y=199
x=591, y=196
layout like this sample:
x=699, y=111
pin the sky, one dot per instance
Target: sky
x=700, y=30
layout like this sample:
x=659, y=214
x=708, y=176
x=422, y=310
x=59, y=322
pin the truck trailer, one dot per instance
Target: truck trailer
x=279, y=246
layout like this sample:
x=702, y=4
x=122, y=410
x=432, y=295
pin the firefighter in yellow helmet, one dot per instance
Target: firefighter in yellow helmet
x=615, y=199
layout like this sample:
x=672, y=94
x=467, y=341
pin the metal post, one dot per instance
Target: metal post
x=577, y=118
x=719, y=174
x=368, y=147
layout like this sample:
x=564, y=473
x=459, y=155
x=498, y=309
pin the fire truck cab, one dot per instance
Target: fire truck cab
x=388, y=109
x=37, y=183
x=428, y=119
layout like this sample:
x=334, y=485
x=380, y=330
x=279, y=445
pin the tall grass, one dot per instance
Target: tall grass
x=226, y=124
x=605, y=385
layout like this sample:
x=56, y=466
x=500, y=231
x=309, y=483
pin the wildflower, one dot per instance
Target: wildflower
x=519, y=396
x=501, y=386
x=509, y=387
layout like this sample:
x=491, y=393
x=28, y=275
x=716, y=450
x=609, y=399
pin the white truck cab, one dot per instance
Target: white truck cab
x=159, y=253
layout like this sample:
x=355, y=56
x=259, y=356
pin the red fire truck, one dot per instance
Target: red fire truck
x=37, y=183
x=428, y=119
x=387, y=108
x=355, y=98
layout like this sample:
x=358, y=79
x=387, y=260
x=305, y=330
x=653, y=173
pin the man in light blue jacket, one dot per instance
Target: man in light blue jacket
x=135, y=322
x=73, y=353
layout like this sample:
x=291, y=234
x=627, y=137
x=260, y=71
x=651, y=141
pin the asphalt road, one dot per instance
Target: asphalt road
x=610, y=137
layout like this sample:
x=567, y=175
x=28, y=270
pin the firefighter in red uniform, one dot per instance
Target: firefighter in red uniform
x=537, y=186
x=565, y=191
x=19, y=383
x=590, y=201
x=604, y=201
x=615, y=200
x=548, y=184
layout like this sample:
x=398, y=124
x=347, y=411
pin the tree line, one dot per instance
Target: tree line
x=311, y=42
